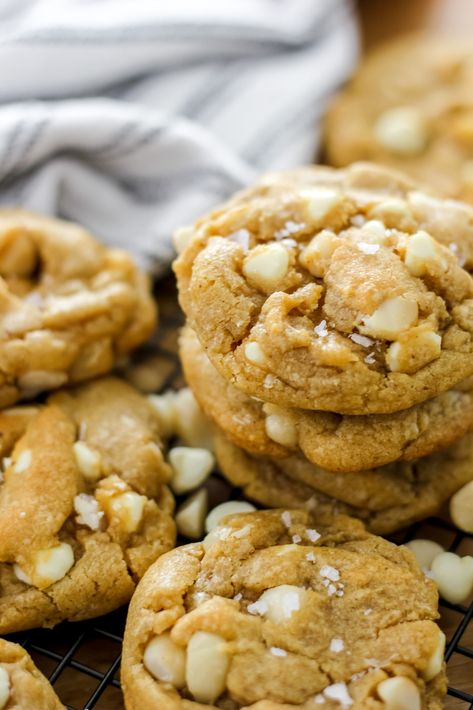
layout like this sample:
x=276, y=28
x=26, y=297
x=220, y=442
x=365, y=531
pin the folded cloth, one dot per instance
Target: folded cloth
x=134, y=117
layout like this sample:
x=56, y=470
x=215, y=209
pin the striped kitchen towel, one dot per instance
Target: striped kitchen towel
x=134, y=116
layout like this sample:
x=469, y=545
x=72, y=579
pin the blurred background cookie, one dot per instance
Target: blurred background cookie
x=70, y=307
x=409, y=106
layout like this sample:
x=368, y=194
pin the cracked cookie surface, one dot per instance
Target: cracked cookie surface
x=84, y=506
x=333, y=290
x=409, y=106
x=386, y=499
x=279, y=609
x=70, y=306
x=22, y=686
x=341, y=443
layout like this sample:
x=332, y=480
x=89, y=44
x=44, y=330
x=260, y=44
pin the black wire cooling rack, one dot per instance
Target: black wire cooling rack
x=82, y=660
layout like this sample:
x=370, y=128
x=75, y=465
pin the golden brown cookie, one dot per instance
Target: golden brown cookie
x=409, y=106
x=22, y=686
x=70, y=307
x=335, y=442
x=386, y=499
x=84, y=506
x=326, y=289
x=283, y=609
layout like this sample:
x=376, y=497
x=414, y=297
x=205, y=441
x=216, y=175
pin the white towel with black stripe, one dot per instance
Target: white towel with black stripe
x=135, y=117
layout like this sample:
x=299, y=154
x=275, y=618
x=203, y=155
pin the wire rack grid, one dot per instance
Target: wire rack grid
x=82, y=660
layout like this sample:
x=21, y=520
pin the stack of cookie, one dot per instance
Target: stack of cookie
x=330, y=339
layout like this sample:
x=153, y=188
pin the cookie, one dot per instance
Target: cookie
x=339, y=443
x=386, y=499
x=325, y=289
x=22, y=686
x=409, y=106
x=70, y=306
x=84, y=506
x=279, y=609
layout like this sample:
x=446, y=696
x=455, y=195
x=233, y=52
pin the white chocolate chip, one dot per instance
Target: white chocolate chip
x=461, y=508
x=4, y=687
x=128, y=508
x=166, y=661
x=34, y=382
x=231, y=507
x=281, y=602
x=88, y=511
x=374, y=232
x=181, y=238
x=191, y=466
x=425, y=551
x=339, y=693
x=191, y=425
x=391, y=318
x=390, y=206
x=435, y=662
x=401, y=131
x=165, y=407
x=190, y=518
x=454, y=576
x=316, y=255
x=399, y=693
x=49, y=566
x=280, y=426
x=206, y=666
x=320, y=201
x=88, y=461
x=266, y=266
x=21, y=574
x=23, y=461
x=415, y=351
x=255, y=355
x=423, y=254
